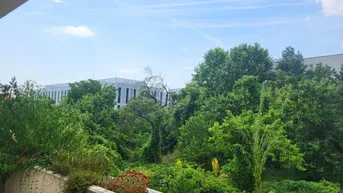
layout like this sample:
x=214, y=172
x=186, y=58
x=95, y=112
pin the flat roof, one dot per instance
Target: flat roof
x=103, y=81
x=330, y=55
x=6, y=6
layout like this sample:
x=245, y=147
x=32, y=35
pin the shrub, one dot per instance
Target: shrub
x=186, y=178
x=65, y=162
x=289, y=186
x=31, y=130
x=130, y=182
x=83, y=168
x=79, y=180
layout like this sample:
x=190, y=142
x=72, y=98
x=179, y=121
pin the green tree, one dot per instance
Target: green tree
x=210, y=72
x=32, y=129
x=311, y=111
x=221, y=69
x=9, y=90
x=151, y=112
x=187, y=102
x=194, y=134
x=248, y=60
x=320, y=72
x=97, y=102
x=256, y=138
x=245, y=95
x=85, y=87
x=339, y=75
x=292, y=62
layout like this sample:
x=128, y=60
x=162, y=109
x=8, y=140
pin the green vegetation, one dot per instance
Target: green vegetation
x=240, y=125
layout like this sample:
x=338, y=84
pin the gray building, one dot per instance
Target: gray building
x=334, y=60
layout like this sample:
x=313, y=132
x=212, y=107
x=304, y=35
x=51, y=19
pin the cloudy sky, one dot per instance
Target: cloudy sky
x=57, y=41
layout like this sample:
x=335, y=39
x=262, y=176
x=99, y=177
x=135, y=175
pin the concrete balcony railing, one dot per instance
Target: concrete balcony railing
x=37, y=181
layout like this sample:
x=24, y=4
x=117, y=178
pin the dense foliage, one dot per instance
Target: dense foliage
x=241, y=124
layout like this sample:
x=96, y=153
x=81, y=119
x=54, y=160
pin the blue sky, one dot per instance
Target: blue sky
x=57, y=41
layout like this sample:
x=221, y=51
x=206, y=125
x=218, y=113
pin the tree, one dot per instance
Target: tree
x=97, y=103
x=255, y=138
x=85, y=87
x=210, y=72
x=248, y=60
x=187, y=102
x=9, y=90
x=291, y=62
x=311, y=111
x=152, y=113
x=339, y=75
x=245, y=95
x=194, y=134
x=33, y=129
x=220, y=69
x=320, y=72
x=151, y=83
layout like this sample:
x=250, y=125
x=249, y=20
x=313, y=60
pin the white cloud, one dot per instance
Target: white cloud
x=57, y=1
x=307, y=18
x=216, y=41
x=332, y=7
x=81, y=31
x=342, y=45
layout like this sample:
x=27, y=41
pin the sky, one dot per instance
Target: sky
x=59, y=41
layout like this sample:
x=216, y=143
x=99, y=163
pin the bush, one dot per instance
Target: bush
x=83, y=168
x=130, y=182
x=79, y=180
x=185, y=178
x=289, y=186
x=66, y=163
x=31, y=130
x=240, y=173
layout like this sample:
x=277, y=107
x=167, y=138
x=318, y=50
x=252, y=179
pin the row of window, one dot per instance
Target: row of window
x=57, y=95
x=134, y=94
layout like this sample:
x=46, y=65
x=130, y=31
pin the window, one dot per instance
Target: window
x=55, y=96
x=118, y=107
x=119, y=93
x=58, y=97
x=161, y=96
x=65, y=93
x=134, y=92
x=127, y=96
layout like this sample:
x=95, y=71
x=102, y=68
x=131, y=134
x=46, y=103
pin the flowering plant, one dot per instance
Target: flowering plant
x=130, y=182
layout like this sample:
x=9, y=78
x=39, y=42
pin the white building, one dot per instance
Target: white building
x=334, y=60
x=125, y=90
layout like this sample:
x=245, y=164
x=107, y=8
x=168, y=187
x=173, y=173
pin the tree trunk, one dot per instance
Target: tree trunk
x=258, y=184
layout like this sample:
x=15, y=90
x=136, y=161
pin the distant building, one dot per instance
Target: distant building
x=334, y=61
x=125, y=90
x=174, y=91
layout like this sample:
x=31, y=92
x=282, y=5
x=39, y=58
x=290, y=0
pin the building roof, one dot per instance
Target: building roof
x=6, y=6
x=108, y=81
x=334, y=60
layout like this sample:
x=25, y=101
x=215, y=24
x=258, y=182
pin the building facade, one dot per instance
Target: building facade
x=333, y=61
x=125, y=90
